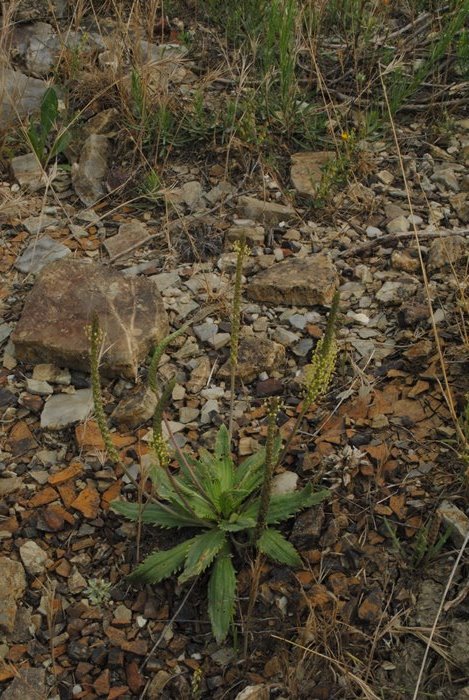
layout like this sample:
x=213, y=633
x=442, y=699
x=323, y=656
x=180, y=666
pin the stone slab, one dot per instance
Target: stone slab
x=67, y=293
x=307, y=281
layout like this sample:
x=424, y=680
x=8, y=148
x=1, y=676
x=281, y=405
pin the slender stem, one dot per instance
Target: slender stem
x=270, y=464
x=241, y=251
x=256, y=575
x=294, y=431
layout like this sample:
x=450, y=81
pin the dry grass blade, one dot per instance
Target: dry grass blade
x=368, y=693
x=447, y=393
x=437, y=617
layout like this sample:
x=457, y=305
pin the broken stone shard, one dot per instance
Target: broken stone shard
x=267, y=212
x=307, y=170
x=89, y=174
x=62, y=410
x=130, y=234
x=256, y=355
x=29, y=683
x=40, y=253
x=28, y=172
x=12, y=587
x=67, y=293
x=307, y=281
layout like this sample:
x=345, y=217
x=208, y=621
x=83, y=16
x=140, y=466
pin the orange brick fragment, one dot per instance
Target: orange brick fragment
x=111, y=494
x=87, y=502
x=102, y=683
x=117, y=692
x=66, y=474
x=21, y=439
x=88, y=436
x=16, y=652
x=68, y=493
x=63, y=568
x=398, y=506
x=6, y=671
x=58, y=511
x=43, y=497
x=304, y=577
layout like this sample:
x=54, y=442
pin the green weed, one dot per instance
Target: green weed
x=427, y=544
x=45, y=137
x=231, y=505
x=403, y=86
x=98, y=591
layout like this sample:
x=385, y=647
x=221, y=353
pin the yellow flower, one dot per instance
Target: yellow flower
x=345, y=136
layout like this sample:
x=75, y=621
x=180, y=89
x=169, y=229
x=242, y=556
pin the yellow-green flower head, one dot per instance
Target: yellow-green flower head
x=319, y=372
x=161, y=449
x=241, y=248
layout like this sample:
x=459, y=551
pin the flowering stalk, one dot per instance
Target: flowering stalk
x=96, y=337
x=160, y=446
x=319, y=372
x=241, y=250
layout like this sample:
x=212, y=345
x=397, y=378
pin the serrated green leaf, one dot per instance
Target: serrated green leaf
x=274, y=545
x=250, y=473
x=177, y=492
x=222, y=443
x=161, y=565
x=237, y=525
x=284, y=506
x=217, y=469
x=190, y=467
x=221, y=595
x=253, y=463
x=156, y=514
x=203, y=551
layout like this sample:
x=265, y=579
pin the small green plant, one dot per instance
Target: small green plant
x=427, y=544
x=223, y=501
x=231, y=505
x=40, y=134
x=98, y=591
x=336, y=171
x=462, y=53
x=151, y=185
x=402, y=86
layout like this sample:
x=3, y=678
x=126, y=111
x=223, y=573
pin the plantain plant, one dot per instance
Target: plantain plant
x=223, y=500
x=45, y=138
x=232, y=506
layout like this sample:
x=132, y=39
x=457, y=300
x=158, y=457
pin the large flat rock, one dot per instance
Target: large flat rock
x=67, y=293
x=309, y=281
x=19, y=94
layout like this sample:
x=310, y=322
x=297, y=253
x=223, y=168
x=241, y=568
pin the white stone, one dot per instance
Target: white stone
x=62, y=410
x=398, y=225
x=36, y=386
x=33, y=557
x=286, y=482
x=373, y=232
x=220, y=340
